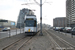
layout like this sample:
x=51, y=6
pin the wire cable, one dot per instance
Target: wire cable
x=36, y=2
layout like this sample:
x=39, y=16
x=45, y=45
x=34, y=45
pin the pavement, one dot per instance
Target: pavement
x=10, y=40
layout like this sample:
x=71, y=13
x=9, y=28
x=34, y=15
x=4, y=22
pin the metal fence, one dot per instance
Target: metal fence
x=12, y=32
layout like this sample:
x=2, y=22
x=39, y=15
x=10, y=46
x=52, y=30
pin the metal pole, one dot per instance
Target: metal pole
x=23, y=24
x=16, y=31
x=41, y=18
x=9, y=34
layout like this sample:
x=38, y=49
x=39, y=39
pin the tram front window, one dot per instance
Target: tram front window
x=30, y=23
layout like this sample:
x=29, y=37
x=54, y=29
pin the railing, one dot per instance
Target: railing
x=12, y=32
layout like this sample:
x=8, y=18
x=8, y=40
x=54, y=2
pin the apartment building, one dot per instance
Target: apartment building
x=70, y=12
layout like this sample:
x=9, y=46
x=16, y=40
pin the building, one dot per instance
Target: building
x=46, y=26
x=60, y=22
x=70, y=12
x=23, y=12
x=7, y=23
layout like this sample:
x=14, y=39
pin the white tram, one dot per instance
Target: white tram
x=30, y=25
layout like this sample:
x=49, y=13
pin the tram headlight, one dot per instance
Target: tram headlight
x=26, y=30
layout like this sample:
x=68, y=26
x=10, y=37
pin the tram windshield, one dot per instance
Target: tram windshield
x=30, y=23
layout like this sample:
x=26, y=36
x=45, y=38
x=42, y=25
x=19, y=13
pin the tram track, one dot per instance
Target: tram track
x=61, y=44
x=18, y=44
x=24, y=43
x=65, y=41
x=55, y=44
x=22, y=47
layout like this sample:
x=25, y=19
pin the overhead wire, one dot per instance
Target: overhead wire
x=36, y=2
x=44, y=2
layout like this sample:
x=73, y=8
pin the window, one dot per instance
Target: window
x=73, y=29
x=30, y=23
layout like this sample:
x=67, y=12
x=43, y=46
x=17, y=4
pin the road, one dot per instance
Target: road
x=4, y=34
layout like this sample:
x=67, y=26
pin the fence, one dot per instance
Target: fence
x=12, y=32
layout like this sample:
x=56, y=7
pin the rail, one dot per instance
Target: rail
x=63, y=41
x=53, y=40
x=20, y=42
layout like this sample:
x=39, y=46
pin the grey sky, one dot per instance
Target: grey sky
x=9, y=9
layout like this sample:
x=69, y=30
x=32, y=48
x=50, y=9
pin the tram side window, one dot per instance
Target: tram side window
x=35, y=23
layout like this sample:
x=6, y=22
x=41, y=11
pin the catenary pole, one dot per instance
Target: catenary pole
x=41, y=18
x=40, y=15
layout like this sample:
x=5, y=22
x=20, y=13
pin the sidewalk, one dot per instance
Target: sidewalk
x=7, y=41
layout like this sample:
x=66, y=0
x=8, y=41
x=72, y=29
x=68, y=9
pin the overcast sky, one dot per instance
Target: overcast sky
x=9, y=9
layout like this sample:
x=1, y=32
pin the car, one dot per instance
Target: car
x=57, y=28
x=67, y=29
x=53, y=28
x=73, y=31
x=6, y=29
x=62, y=28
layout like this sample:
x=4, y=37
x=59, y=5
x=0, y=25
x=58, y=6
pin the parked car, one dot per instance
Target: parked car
x=57, y=28
x=73, y=31
x=53, y=28
x=6, y=29
x=62, y=28
x=67, y=29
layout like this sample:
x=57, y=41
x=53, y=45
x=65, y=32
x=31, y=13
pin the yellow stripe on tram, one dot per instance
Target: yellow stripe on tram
x=29, y=30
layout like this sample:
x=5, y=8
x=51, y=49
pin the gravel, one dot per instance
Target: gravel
x=38, y=43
